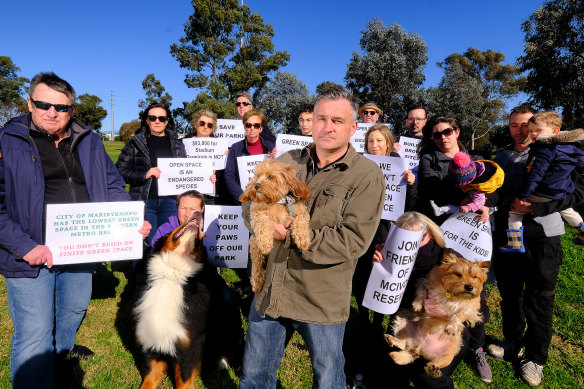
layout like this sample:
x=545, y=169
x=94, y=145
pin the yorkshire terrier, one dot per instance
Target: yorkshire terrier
x=455, y=286
x=274, y=192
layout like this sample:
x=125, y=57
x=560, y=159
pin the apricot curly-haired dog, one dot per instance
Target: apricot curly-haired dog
x=274, y=192
x=455, y=286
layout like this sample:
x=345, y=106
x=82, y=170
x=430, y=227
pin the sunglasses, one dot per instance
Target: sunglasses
x=446, y=132
x=239, y=104
x=46, y=106
x=257, y=126
x=153, y=118
x=203, y=124
x=369, y=113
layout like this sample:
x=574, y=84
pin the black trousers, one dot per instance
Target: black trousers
x=527, y=283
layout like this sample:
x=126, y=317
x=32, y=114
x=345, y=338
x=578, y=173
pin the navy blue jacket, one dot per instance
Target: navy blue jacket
x=548, y=170
x=22, y=187
x=238, y=149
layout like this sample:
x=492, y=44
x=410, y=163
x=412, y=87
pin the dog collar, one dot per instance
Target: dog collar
x=448, y=294
x=289, y=200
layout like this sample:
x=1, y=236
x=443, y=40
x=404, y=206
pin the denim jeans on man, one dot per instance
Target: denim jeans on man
x=158, y=210
x=55, y=300
x=264, y=348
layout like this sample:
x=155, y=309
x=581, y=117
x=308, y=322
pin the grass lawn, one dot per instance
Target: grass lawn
x=106, y=331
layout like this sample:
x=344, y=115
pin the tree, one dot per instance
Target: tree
x=390, y=70
x=554, y=59
x=280, y=101
x=326, y=86
x=155, y=92
x=89, y=112
x=127, y=130
x=474, y=88
x=227, y=48
x=12, y=88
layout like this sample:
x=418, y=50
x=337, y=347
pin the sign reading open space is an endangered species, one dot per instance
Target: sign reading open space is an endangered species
x=94, y=232
x=181, y=174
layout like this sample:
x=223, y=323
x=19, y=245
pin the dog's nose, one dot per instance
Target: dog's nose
x=257, y=186
x=468, y=287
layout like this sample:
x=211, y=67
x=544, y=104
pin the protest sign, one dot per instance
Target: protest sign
x=230, y=129
x=286, y=142
x=246, y=166
x=177, y=175
x=207, y=149
x=388, y=280
x=358, y=138
x=409, y=151
x=94, y=232
x=470, y=237
x=395, y=188
x=226, y=236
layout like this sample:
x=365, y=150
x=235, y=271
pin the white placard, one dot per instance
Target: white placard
x=211, y=149
x=470, y=237
x=226, y=236
x=395, y=187
x=246, y=166
x=285, y=142
x=388, y=280
x=358, y=138
x=409, y=150
x=94, y=232
x=177, y=175
x=230, y=129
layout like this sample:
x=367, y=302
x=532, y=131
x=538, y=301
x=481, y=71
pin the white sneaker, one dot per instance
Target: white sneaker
x=531, y=372
x=505, y=350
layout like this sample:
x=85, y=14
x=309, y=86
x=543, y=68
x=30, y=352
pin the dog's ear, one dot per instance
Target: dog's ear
x=449, y=258
x=246, y=195
x=298, y=189
x=485, y=265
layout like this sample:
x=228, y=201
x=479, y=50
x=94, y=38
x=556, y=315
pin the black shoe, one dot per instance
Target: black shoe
x=81, y=352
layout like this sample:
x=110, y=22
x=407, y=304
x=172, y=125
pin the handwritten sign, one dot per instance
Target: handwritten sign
x=226, y=237
x=409, y=151
x=470, y=237
x=286, y=142
x=358, y=138
x=207, y=149
x=388, y=279
x=230, y=129
x=395, y=188
x=246, y=166
x=94, y=232
x=181, y=174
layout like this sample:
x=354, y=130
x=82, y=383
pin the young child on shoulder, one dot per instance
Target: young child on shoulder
x=474, y=177
x=553, y=156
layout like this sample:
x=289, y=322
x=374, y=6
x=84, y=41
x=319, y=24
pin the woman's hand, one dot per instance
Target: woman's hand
x=153, y=172
x=213, y=177
x=396, y=147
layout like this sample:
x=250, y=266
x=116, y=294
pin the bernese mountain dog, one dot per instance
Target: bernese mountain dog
x=184, y=321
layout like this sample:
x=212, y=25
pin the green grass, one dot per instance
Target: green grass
x=106, y=331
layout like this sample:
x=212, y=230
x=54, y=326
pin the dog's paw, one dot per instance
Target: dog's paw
x=433, y=370
x=390, y=339
x=417, y=305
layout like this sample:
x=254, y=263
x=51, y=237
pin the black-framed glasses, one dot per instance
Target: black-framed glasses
x=417, y=120
x=162, y=119
x=46, y=106
x=446, y=132
x=369, y=113
x=240, y=103
x=204, y=123
x=257, y=126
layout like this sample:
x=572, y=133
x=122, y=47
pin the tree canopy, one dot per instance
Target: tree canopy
x=390, y=70
x=12, y=90
x=89, y=112
x=227, y=48
x=554, y=58
x=155, y=92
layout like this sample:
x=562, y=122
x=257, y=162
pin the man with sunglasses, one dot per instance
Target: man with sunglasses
x=243, y=104
x=369, y=113
x=46, y=158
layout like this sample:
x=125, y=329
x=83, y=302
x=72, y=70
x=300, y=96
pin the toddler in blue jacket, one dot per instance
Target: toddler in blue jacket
x=553, y=156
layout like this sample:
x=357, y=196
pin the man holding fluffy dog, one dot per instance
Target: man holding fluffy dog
x=45, y=158
x=310, y=290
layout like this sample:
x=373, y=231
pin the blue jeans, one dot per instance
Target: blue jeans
x=157, y=213
x=56, y=301
x=264, y=348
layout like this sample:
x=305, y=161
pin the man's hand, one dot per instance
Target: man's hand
x=41, y=254
x=145, y=229
x=280, y=230
x=521, y=206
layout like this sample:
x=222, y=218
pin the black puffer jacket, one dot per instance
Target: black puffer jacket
x=134, y=162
